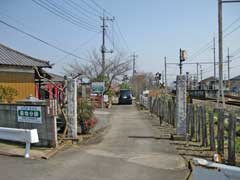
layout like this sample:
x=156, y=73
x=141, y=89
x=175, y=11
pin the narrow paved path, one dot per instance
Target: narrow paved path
x=123, y=153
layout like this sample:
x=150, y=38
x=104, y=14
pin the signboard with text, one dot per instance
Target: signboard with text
x=29, y=114
x=98, y=87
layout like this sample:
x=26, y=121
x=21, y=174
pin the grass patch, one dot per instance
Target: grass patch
x=237, y=144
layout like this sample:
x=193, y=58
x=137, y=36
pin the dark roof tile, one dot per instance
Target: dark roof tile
x=12, y=57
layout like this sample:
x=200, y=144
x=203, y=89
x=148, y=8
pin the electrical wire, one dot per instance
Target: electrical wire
x=235, y=29
x=121, y=34
x=100, y=7
x=81, y=10
x=112, y=43
x=69, y=13
x=236, y=52
x=43, y=41
x=84, y=9
x=122, y=37
x=80, y=46
x=62, y=16
x=208, y=46
x=95, y=10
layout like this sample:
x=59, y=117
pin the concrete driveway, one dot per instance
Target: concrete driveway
x=121, y=154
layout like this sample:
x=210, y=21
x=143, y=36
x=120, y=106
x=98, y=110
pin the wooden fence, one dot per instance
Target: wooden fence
x=211, y=127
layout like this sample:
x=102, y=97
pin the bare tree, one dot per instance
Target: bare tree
x=141, y=82
x=114, y=69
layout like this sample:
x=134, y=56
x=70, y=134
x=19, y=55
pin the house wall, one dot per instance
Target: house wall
x=22, y=81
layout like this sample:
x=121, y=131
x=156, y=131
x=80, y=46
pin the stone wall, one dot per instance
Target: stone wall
x=47, y=132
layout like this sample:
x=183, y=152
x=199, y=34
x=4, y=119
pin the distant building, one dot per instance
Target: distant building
x=235, y=84
x=207, y=84
x=22, y=72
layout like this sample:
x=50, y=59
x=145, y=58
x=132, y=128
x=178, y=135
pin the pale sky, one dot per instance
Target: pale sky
x=151, y=28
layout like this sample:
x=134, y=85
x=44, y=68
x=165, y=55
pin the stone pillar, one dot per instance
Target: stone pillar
x=72, y=107
x=181, y=106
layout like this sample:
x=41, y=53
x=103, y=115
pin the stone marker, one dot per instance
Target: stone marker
x=72, y=107
x=181, y=106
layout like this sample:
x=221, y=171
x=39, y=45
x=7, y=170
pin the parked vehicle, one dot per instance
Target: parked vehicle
x=125, y=96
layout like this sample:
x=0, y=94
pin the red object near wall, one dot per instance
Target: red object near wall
x=50, y=91
x=36, y=91
x=55, y=92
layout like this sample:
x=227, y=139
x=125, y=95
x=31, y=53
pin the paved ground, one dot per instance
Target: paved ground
x=121, y=154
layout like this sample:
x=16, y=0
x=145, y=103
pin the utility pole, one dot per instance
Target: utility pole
x=197, y=72
x=220, y=49
x=103, y=48
x=228, y=58
x=165, y=70
x=214, y=61
x=134, y=56
x=201, y=76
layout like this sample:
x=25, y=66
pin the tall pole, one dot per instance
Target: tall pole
x=214, y=61
x=163, y=77
x=134, y=56
x=134, y=64
x=201, y=76
x=103, y=49
x=220, y=51
x=197, y=72
x=228, y=58
x=165, y=70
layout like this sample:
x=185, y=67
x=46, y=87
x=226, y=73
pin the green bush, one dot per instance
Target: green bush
x=84, y=114
x=85, y=110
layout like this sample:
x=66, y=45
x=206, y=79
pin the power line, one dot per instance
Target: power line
x=112, y=43
x=79, y=9
x=118, y=27
x=100, y=7
x=80, y=46
x=121, y=34
x=236, y=52
x=44, y=42
x=234, y=22
x=235, y=29
x=208, y=44
x=62, y=16
x=84, y=9
x=68, y=13
x=95, y=10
